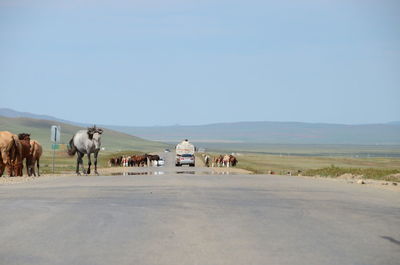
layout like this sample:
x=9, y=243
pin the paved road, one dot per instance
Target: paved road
x=180, y=218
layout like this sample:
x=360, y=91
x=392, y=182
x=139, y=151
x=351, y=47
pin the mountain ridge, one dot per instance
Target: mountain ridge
x=270, y=132
x=111, y=140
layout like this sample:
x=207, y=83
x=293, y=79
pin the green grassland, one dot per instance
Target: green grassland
x=64, y=164
x=115, y=143
x=376, y=167
x=111, y=140
x=330, y=150
x=368, y=173
x=372, y=161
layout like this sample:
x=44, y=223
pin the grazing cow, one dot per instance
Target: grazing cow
x=35, y=154
x=10, y=154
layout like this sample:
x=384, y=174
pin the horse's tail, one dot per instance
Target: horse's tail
x=14, y=148
x=71, y=148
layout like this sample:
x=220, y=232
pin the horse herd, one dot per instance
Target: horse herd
x=220, y=161
x=14, y=149
x=132, y=161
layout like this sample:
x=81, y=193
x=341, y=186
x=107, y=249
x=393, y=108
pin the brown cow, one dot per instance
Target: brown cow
x=10, y=154
x=35, y=154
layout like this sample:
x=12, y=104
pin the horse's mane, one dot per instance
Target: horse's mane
x=22, y=136
x=93, y=130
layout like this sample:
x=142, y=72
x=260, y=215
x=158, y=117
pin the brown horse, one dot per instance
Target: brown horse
x=35, y=154
x=10, y=154
x=112, y=162
x=207, y=160
x=25, y=140
x=139, y=160
x=153, y=157
x=218, y=161
x=232, y=160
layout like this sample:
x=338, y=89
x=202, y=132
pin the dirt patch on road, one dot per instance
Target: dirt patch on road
x=230, y=170
x=360, y=180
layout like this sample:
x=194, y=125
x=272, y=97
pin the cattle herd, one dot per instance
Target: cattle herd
x=14, y=149
x=133, y=160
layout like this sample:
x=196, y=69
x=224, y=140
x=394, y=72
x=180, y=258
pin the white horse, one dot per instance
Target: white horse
x=226, y=161
x=207, y=160
x=86, y=142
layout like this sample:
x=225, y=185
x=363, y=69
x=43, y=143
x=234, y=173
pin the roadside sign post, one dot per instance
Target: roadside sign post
x=55, y=137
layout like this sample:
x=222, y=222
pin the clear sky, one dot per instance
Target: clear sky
x=160, y=62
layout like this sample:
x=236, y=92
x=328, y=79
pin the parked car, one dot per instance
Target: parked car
x=160, y=162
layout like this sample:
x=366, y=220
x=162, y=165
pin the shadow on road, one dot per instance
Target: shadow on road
x=391, y=239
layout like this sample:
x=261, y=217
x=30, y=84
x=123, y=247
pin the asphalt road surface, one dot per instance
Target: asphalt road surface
x=202, y=218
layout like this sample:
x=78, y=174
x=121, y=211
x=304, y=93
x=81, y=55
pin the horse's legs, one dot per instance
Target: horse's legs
x=95, y=162
x=89, y=163
x=32, y=168
x=2, y=165
x=37, y=168
x=27, y=167
x=6, y=164
x=79, y=160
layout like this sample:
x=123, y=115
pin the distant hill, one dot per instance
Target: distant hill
x=10, y=113
x=274, y=133
x=111, y=140
x=263, y=132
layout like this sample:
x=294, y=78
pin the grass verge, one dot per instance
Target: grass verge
x=63, y=163
x=380, y=168
x=367, y=173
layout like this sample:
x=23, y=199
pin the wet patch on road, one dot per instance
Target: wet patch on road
x=180, y=172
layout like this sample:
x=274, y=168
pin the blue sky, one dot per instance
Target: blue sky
x=195, y=62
